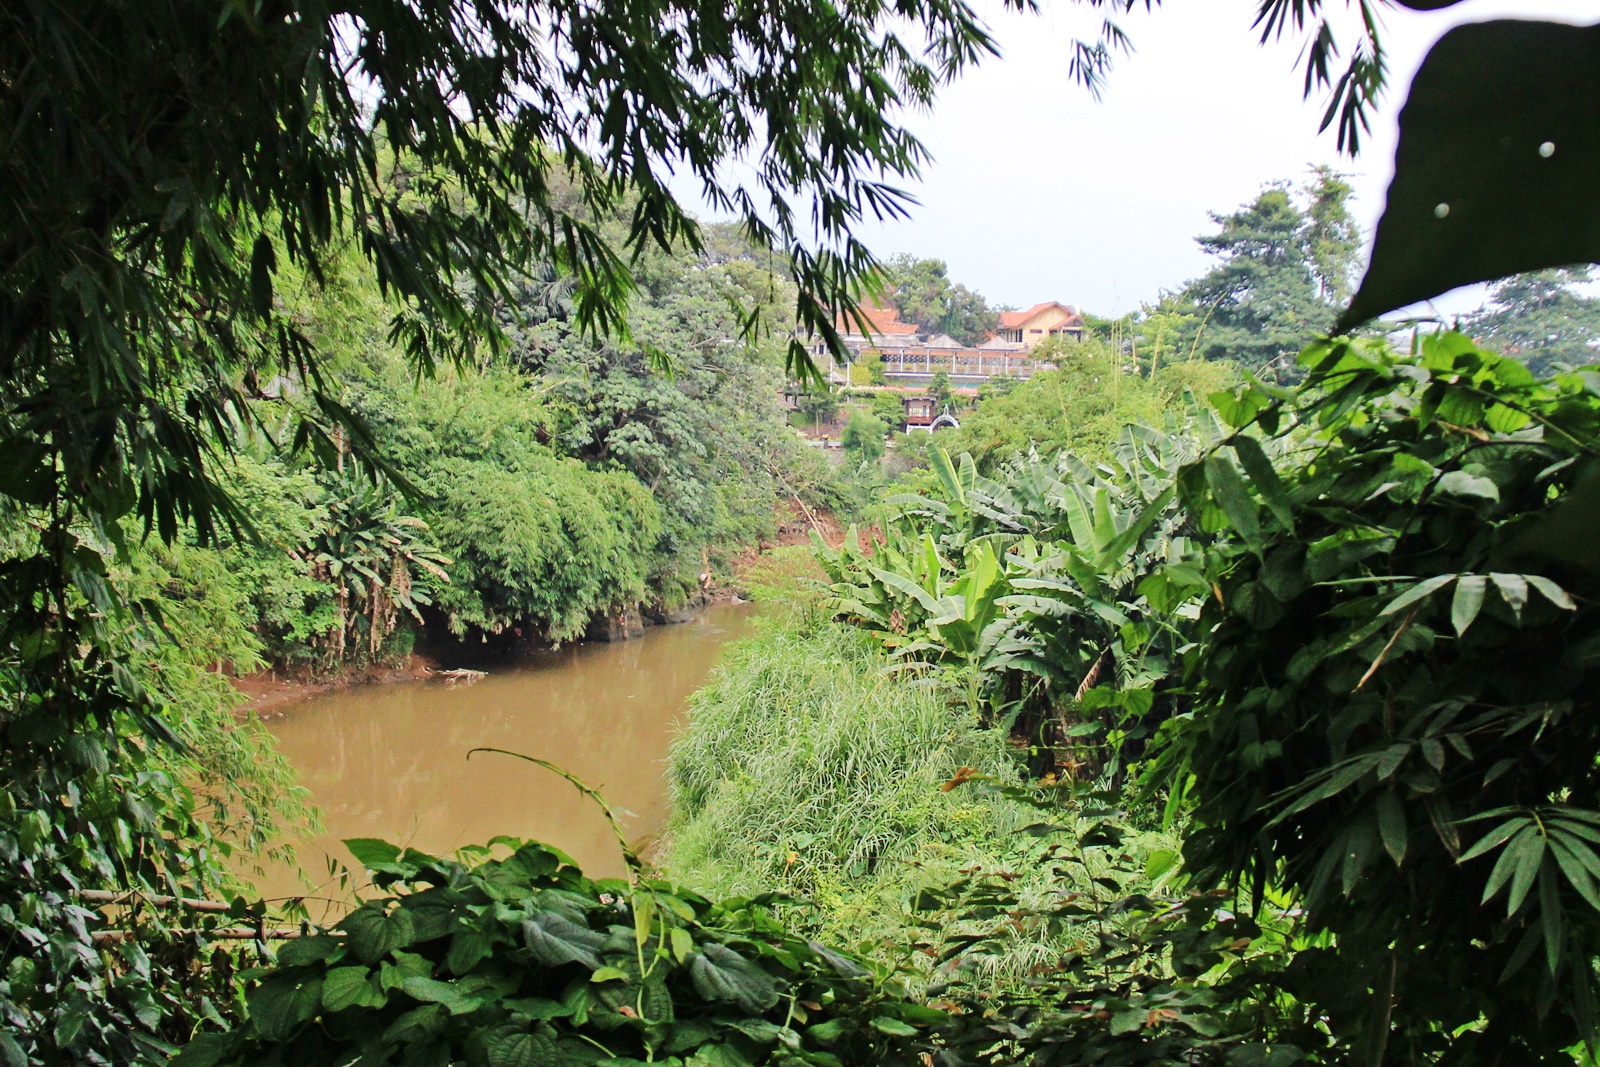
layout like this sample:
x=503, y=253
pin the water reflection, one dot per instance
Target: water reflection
x=391, y=761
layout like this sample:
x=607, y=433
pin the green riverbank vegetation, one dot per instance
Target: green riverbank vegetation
x=1127, y=650
x=1224, y=698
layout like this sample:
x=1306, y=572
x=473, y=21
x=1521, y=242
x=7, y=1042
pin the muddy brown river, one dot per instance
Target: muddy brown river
x=391, y=761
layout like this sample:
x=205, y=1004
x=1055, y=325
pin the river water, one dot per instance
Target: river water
x=390, y=761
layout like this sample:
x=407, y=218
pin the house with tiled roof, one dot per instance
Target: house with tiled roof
x=912, y=354
x=1033, y=326
x=884, y=322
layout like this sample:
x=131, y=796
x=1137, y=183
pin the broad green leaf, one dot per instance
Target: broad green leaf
x=348, y=987
x=1503, y=419
x=682, y=943
x=1130, y=1021
x=1253, y=458
x=449, y=995
x=720, y=1055
x=720, y=973
x=1237, y=407
x=374, y=934
x=1105, y=527
x=319, y=948
x=283, y=1003
x=1495, y=165
x=1565, y=532
x=939, y=459
x=1233, y=496
x=842, y=965
x=893, y=1027
x=512, y=1047
x=203, y=1050
x=644, y=915
x=1467, y=602
x=827, y=1032
x=901, y=584
x=1470, y=486
x=1078, y=520
x=1275, y=1055
x=1122, y=542
x=372, y=852
x=556, y=940
x=467, y=949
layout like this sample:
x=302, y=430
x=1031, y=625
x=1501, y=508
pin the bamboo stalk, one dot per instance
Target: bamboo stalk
x=102, y=896
x=275, y=933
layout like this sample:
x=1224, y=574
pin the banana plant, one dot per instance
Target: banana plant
x=1045, y=571
x=370, y=555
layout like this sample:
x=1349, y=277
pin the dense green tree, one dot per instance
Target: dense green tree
x=1540, y=319
x=889, y=408
x=1285, y=270
x=710, y=438
x=1079, y=407
x=921, y=290
x=169, y=165
x=862, y=437
x=1332, y=235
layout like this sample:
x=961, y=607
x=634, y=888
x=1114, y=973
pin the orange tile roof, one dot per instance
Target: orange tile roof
x=1010, y=320
x=883, y=321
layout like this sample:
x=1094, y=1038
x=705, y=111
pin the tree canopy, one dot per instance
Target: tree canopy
x=164, y=160
x=921, y=290
x=1540, y=319
x=1286, y=267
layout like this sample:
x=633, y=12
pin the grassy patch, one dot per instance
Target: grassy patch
x=806, y=769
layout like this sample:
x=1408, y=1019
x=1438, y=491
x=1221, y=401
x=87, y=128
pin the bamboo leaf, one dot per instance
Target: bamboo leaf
x=1417, y=592
x=1551, y=915
x=1578, y=874
x=1336, y=783
x=1391, y=758
x=1392, y=825
x=1494, y=838
x=1527, y=850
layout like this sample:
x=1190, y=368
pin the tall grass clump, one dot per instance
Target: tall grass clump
x=807, y=769
x=804, y=765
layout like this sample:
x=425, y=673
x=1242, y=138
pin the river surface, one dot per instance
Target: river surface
x=390, y=761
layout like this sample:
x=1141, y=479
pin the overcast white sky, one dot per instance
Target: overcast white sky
x=1103, y=215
